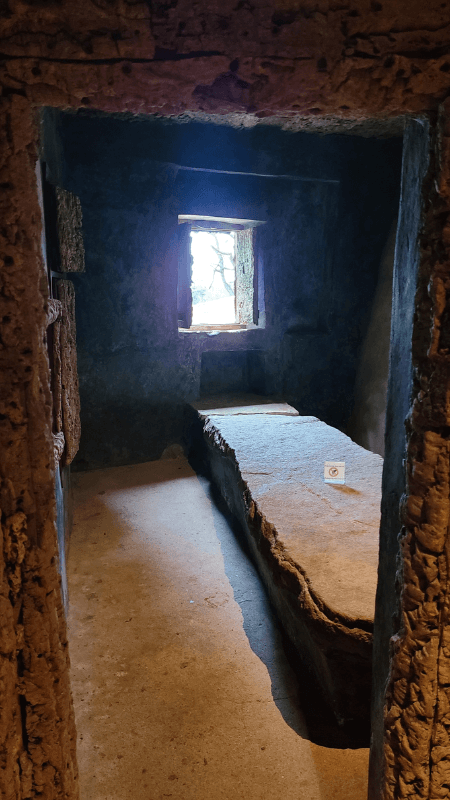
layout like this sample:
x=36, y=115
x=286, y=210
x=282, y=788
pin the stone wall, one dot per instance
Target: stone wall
x=352, y=61
x=319, y=249
x=319, y=66
x=415, y=760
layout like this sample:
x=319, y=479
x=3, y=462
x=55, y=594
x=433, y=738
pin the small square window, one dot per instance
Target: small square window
x=216, y=280
x=213, y=276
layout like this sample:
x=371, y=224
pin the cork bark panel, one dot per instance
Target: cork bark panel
x=350, y=62
x=288, y=88
x=346, y=42
x=37, y=734
x=69, y=217
x=70, y=398
x=54, y=310
x=82, y=31
x=58, y=446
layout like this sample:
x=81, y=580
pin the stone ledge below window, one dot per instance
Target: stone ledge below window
x=226, y=328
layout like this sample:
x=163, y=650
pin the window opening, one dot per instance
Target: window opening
x=216, y=278
x=213, y=277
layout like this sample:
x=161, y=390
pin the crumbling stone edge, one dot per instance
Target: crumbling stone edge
x=335, y=647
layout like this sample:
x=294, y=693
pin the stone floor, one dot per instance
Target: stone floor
x=181, y=683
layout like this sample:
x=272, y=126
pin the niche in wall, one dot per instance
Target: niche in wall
x=232, y=372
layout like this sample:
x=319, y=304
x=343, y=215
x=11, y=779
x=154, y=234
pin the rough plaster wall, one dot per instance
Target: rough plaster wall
x=245, y=276
x=57, y=387
x=70, y=399
x=353, y=61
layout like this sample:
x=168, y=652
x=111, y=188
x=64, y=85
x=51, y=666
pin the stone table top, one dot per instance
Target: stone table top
x=330, y=531
x=233, y=405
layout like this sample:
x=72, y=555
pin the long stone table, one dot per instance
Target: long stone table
x=315, y=544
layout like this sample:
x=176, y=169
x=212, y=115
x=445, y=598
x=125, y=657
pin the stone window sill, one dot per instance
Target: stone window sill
x=230, y=328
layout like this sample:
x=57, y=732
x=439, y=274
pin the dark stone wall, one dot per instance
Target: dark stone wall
x=367, y=423
x=318, y=257
x=407, y=255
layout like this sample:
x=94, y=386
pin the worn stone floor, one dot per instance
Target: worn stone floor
x=181, y=682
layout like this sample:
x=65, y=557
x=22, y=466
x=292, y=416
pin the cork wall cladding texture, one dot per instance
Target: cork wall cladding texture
x=37, y=732
x=70, y=231
x=309, y=65
x=301, y=60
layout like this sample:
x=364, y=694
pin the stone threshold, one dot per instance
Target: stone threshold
x=315, y=544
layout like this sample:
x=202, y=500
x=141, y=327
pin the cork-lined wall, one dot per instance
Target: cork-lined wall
x=312, y=65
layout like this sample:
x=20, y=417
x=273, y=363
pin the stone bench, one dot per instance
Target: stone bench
x=315, y=544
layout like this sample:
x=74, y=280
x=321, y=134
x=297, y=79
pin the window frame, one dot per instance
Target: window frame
x=243, y=296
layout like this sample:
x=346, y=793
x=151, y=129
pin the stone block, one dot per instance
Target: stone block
x=70, y=399
x=315, y=544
